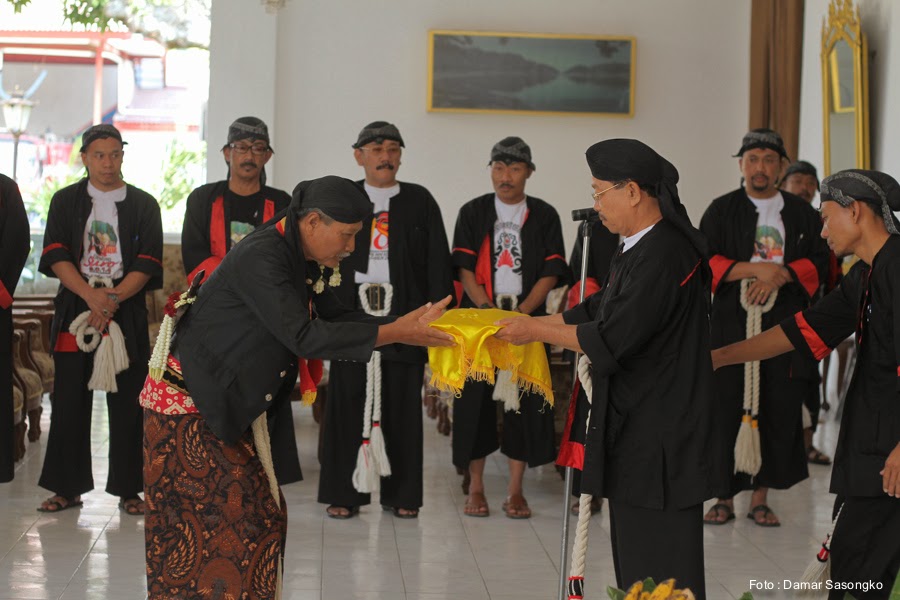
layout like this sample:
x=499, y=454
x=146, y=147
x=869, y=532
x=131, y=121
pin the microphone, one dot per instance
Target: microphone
x=585, y=214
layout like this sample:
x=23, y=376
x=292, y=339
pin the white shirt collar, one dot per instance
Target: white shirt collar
x=631, y=240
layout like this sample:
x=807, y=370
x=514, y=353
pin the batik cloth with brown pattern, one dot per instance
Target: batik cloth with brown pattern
x=212, y=527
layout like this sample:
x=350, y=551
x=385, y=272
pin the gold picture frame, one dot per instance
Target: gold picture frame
x=845, y=89
x=531, y=73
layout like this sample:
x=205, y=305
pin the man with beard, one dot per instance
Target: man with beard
x=402, y=247
x=857, y=218
x=508, y=253
x=769, y=238
x=14, y=247
x=221, y=214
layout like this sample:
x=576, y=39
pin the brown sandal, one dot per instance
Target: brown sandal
x=516, y=507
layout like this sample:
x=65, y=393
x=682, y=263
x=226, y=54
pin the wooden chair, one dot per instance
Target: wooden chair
x=30, y=380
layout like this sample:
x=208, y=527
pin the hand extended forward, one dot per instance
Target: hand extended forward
x=412, y=328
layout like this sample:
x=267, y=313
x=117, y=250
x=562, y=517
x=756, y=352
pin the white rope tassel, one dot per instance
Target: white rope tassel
x=819, y=569
x=505, y=389
x=579, y=549
x=263, y=444
x=747, y=452
x=110, y=357
x=371, y=460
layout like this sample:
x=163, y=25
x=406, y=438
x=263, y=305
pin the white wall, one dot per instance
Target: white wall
x=878, y=18
x=339, y=65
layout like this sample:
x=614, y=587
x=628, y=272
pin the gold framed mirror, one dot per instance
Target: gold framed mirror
x=845, y=89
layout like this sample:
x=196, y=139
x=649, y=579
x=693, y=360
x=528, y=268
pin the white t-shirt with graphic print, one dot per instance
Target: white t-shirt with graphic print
x=508, y=247
x=379, y=269
x=102, y=248
x=768, y=244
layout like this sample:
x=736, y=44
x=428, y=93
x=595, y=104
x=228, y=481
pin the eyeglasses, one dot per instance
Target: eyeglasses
x=596, y=195
x=382, y=150
x=257, y=149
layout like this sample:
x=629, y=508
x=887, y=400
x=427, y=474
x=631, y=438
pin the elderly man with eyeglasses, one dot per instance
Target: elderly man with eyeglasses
x=221, y=214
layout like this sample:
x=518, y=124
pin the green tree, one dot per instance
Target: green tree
x=180, y=173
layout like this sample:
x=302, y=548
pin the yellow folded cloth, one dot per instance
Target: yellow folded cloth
x=477, y=353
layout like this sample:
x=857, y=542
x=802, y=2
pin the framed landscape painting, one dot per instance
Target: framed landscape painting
x=472, y=71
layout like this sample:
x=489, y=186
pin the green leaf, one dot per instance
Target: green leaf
x=895, y=593
x=649, y=585
x=615, y=593
x=746, y=596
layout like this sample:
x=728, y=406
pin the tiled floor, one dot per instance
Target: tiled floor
x=96, y=552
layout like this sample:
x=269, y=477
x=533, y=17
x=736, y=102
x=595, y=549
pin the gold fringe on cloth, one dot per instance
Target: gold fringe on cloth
x=477, y=354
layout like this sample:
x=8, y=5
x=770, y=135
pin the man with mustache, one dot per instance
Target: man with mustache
x=508, y=252
x=218, y=216
x=769, y=237
x=402, y=245
x=100, y=201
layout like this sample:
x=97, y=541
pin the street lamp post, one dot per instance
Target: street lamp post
x=16, y=111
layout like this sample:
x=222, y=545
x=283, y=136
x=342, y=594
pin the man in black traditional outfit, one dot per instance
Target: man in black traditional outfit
x=857, y=218
x=770, y=239
x=99, y=203
x=14, y=246
x=218, y=216
x=403, y=245
x=215, y=516
x=646, y=334
x=508, y=252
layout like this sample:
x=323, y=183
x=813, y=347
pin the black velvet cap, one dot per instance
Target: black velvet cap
x=343, y=200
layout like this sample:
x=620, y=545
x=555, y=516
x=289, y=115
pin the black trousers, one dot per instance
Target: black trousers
x=67, y=462
x=865, y=546
x=401, y=423
x=7, y=443
x=528, y=435
x=677, y=551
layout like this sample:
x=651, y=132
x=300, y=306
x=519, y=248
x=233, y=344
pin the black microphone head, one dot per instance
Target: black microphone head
x=585, y=214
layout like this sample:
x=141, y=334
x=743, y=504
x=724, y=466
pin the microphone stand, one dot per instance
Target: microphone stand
x=585, y=233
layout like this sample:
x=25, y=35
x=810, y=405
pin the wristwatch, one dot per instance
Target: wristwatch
x=485, y=305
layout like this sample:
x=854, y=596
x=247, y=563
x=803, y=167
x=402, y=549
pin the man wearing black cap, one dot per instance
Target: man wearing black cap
x=769, y=239
x=646, y=334
x=99, y=229
x=801, y=179
x=857, y=218
x=220, y=214
x=402, y=247
x=14, y=247
x=508, y=252
x=214, y=508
